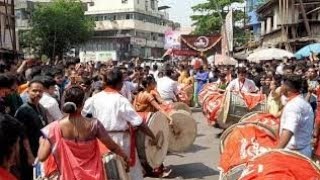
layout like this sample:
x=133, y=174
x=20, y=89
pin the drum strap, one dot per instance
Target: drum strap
x=241, y=86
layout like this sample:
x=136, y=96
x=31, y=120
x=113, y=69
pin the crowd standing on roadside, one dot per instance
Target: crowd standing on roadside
x=51, y=110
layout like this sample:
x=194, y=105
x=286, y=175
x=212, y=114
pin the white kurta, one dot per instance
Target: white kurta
x=115, y=112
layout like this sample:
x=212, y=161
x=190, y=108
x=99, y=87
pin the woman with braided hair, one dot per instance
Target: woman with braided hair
x=73, y=141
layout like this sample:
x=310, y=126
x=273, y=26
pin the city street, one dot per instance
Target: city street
x=201, y=160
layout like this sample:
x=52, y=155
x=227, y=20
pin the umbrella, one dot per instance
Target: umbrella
x=220, y=59
x=308, y=50
x=269, y=54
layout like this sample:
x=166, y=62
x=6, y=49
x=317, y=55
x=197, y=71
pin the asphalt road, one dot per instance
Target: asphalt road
x=200, y=160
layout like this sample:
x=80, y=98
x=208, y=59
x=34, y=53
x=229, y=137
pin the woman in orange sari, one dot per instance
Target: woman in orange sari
x=147, y=100
x=73, y=141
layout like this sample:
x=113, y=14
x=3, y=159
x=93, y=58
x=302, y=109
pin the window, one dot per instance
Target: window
x=153, y=6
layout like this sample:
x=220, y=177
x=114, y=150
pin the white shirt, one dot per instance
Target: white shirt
x=298, y=118
x=155, y=74
x=51, y=105
x=127, y=89
x=113, y=110
x=167, y=88
x=248, y=86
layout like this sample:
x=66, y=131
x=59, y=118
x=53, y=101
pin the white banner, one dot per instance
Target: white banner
x=86, y=56
x=229, y=30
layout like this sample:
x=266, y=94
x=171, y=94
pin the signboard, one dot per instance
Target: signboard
x=172, y=39
x=200, y=43
x=86, y=56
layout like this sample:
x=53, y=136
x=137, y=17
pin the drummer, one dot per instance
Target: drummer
x=116, y=114
x=146, y=102
x=168, y=88
x=242, y=84
x=296, y=123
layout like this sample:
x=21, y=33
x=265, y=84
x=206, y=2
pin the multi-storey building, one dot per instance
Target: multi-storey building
x=124, y=28
x=8, y=43
x=289, y=24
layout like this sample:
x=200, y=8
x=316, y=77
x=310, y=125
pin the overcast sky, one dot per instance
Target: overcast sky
x=181, y=11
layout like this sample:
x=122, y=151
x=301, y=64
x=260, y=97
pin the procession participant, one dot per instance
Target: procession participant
x=33, y=117
x=168, y=88
x=185, y=78
x=117, y=115
x=274, y=98
x=128, y=87
x=297, y=119
x=6, y=84
x=312, y=83
x=288, y=70
x=51, y=105
x=155, y=71
x=65, y=137
x=13, y=100
x=222, y=81
x=242, y=84
x=202, y=77
x=10, y=133
x=146, y=102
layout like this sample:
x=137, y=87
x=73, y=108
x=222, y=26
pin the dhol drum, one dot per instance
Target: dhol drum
x=153, y=155
x=181, y=106
x=234, y=173
x=114, y=167
x=264, y=118
x=185, y=93
x=280, y=164
x=206, y=91
x=244, y=140
x=183, y=130
x=235, y=107
x=212, y=107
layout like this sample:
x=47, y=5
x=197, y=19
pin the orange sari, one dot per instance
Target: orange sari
x=142, y=102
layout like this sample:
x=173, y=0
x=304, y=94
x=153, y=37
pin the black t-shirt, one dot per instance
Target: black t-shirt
x=34, y=119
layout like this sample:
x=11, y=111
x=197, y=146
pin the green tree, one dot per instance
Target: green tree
x=208, y=20
x=59, y=26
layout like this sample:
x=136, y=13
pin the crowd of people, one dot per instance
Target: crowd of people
x=65, y=112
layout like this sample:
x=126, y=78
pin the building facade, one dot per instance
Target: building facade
x=127, y=28
x=8, y=42
x=124, y=28
x=289, y=25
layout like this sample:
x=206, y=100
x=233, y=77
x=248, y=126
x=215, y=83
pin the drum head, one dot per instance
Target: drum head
x=154, y=155
x=280, y=164
x=181, y=106
x=183, y=131
x=222, y=118
x=244, y=140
